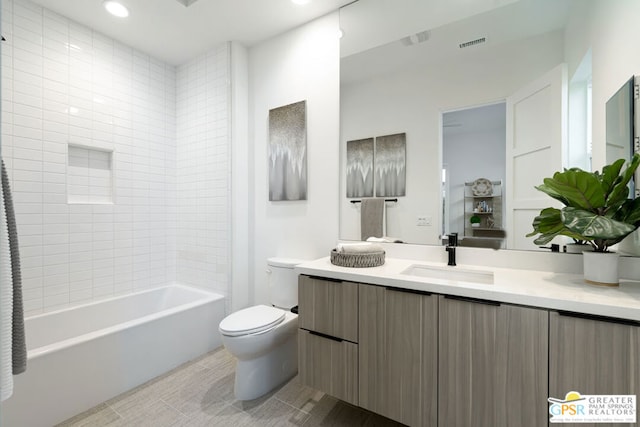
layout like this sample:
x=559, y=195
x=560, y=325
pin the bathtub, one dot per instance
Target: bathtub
x=81, y=356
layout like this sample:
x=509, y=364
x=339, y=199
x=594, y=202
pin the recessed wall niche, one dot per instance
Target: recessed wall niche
x=89, y=175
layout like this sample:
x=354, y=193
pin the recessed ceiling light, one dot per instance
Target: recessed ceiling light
x=115, y=8
x=300, y=1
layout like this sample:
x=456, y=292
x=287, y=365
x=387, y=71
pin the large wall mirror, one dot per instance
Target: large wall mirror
x=500, y=96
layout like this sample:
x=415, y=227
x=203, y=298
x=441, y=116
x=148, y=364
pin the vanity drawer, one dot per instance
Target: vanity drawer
x=329, y=307
x=328, y=364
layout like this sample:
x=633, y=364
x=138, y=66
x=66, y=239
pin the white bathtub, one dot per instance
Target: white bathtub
x=81, y=356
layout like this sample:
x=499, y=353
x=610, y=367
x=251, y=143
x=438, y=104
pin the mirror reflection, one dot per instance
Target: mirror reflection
x=547, y=67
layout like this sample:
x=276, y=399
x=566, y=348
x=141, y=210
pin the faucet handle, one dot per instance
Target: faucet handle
x=450, y=239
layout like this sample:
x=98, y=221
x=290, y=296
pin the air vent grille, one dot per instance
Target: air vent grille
x=473, y=42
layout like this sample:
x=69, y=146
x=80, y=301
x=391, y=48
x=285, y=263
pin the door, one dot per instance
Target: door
x=593, y=355
x=536, y=140
x=397, y=354
x=492, y=364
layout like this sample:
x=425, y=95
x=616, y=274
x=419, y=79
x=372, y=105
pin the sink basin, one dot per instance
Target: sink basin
x=455, y=274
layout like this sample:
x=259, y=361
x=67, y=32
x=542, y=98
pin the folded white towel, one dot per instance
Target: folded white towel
x=358, y=248
x=384, y=239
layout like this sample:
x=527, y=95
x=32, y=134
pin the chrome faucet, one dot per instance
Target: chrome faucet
x=451, y=248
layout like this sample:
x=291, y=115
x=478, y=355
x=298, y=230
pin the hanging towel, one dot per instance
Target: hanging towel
x=372, y=218
x=6, y=303
x=19, y=345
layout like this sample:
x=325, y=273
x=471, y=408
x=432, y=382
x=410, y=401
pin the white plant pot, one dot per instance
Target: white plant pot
x=575, y=248
x=601, y=268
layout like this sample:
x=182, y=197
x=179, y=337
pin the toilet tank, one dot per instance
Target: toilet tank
x=283, y=282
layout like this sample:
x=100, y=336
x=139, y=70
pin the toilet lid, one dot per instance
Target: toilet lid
x=251, y=320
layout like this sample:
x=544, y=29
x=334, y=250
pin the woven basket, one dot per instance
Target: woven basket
x=373, y=259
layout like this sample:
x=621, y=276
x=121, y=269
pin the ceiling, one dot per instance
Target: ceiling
x=174, y=33
x=507, y=24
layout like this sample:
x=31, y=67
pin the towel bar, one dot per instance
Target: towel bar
x=386, y=200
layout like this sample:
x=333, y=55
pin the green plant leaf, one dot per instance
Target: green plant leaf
x=620, y=191
x=580, y=189
x=549, y=225
x=629, y=212
x=553, y=193
x=593, y=226
x=610, y=174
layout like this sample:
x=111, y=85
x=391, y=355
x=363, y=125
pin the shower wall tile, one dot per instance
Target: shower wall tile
x=63, y=83
x=203, y=172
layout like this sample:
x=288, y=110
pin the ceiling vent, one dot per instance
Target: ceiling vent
x=473, y=42
x=416, y=38
x=186, y=3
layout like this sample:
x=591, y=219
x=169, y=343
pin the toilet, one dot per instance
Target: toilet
x=264, y=338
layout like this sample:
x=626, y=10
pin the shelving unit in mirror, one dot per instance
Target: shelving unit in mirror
x=483, y=210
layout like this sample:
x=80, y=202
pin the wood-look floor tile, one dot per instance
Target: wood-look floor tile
x=298, y=395
x=220, y=360
x=208, y=397
x=330, y=411
x=156, y=414
x=270, y=413
x=101, y=415
x=200, y=393
x=276, y=413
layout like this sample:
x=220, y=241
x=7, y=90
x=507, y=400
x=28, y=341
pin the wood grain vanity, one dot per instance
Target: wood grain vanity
x=427, y=358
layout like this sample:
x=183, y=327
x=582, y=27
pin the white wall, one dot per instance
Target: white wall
x=471, y=156
x=609, y=27
x=203, y=171
x=412, y=102
x=302, y=64
x=64, y=83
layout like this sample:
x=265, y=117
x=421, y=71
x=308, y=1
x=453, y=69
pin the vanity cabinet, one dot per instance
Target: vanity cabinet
x=593, y=355
x=492, y=361
x=397, y=354
x=328, y=336
x=422, y=359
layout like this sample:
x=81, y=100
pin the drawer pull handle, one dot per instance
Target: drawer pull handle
x=408, y=291
x=320, y=334
x=607, y=319
x=473, y=300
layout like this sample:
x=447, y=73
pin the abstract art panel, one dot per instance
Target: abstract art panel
x=288, y=152
x=360, y=168
x=390, y=161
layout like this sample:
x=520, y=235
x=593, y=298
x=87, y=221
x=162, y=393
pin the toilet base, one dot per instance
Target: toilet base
x=256, y=377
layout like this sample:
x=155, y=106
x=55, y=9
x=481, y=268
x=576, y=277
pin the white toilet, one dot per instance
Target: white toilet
x=265, y=338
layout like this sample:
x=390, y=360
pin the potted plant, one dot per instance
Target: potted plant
x=596, y=210
x=475, y=221
x=577, y=247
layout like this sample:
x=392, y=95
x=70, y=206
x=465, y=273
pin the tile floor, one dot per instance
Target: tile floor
x=200, y=393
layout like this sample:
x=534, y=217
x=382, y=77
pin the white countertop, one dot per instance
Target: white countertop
x=543, y=289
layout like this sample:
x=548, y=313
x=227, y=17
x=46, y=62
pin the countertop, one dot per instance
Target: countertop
x=557, y=291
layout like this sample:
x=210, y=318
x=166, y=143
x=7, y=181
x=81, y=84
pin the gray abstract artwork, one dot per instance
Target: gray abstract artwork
x=390, y=163
x=288, y=152
x=360, y=168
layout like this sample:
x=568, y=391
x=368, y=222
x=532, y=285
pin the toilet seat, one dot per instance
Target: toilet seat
x=251, y=320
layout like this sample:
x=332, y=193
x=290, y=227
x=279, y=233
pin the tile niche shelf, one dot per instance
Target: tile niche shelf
x=89, y=175
x=486, y=208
